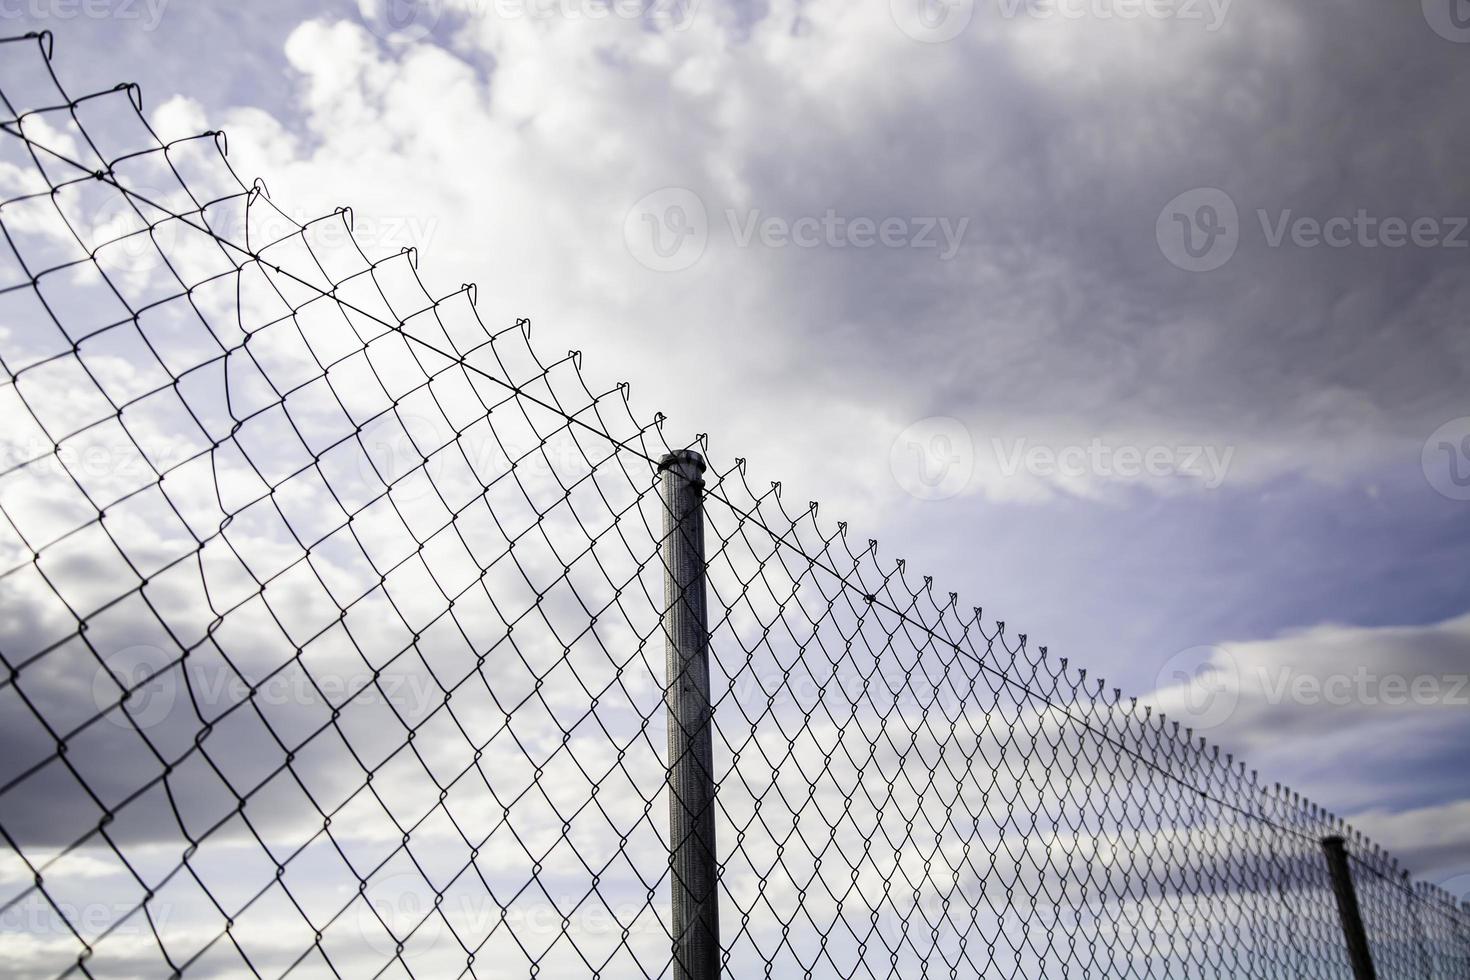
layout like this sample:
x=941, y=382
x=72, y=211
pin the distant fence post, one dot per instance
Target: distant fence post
x=1347, y=909
x=1421, y=934
x=687, y=697
x=1459, y=915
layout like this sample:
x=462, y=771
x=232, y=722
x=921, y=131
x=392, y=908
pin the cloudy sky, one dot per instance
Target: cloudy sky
x=1140, y=325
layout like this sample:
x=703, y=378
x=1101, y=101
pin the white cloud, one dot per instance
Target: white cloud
x=524, y=149
x=1367, y=715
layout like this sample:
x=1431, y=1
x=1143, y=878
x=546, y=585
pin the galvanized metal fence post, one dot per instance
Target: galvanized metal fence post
x=696, y=928
x=1347, y=908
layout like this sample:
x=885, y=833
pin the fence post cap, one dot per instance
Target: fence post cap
x=684, y=462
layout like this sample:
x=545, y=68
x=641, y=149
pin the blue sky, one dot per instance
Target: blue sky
x=528, y=154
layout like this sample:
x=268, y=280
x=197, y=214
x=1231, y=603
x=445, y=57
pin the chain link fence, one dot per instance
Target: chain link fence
x=343, y=635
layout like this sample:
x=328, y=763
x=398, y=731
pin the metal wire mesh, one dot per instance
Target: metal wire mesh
x=333, y=639
x=907, y=793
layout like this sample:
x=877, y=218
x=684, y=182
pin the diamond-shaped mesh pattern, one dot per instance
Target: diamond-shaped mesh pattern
x=906, y=792
x=334, y=644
